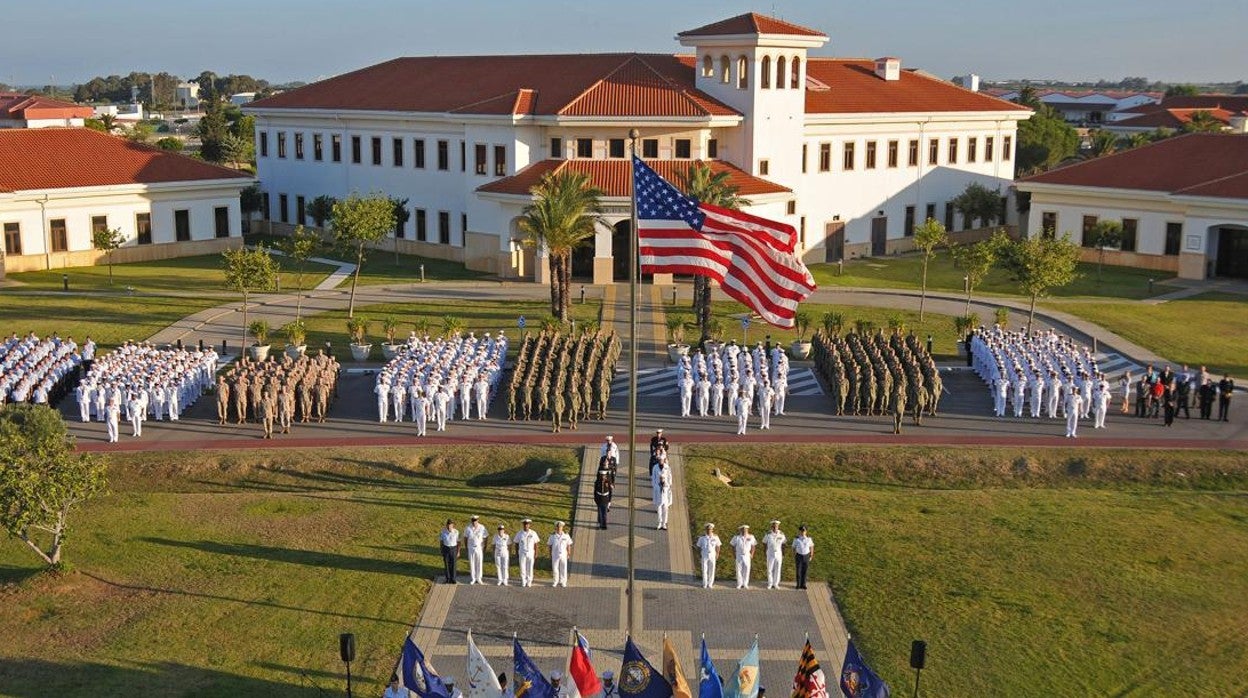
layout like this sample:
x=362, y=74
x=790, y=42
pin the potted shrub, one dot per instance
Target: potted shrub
x=296, y=339
x=589, y=328
x=714, y=336
x=676, y=332
x=1003, y=317
x=422, y=325
x=390, y=324
x=259, y=329
x=833, y=322
x=357, y=327
x=452, y=326
x=800, y=348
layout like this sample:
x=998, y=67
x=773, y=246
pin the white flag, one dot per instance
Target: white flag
x=482, y=679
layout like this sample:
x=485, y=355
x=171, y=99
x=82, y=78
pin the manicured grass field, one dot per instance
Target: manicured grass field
x=382, y=268
x=1209, y=329
x=108, y=319
x=230, y=574
x=906, y=271
x=1059, y=573
x=184, y=274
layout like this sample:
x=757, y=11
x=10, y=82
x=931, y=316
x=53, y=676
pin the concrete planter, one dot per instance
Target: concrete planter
x=676, y=351
x=799, y=349
x=295, y=351
x=259, y=352
x=389, y=351
x=360, y=352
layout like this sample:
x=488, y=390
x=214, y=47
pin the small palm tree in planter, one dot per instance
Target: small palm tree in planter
x=589, y=328
x=676, y=332
x=452, y=326
x=296, y=338
x=714, y=335
x=422, y=325
x=390, y=324
x=357, y=327
x=259, y=329
x=800, y=348
x=833, y=322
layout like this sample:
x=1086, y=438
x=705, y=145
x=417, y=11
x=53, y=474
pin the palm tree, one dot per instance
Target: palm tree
x=561, y=218
x=109, y=122
x=709, y=187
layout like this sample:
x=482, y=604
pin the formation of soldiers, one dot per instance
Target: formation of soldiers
x=563, y=378
x=39, y=370
x=878, y=374
x=277, y=392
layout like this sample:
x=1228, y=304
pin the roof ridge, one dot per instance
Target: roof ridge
x=630, y=59
x=680, y=89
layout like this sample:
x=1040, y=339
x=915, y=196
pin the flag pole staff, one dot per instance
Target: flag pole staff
x=634, y=262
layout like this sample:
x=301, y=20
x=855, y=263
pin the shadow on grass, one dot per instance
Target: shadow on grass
x=39, y=678
x=13, y=574
x=527, y=473
x=311, y=558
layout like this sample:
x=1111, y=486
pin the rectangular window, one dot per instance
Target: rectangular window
x=801, y=233
x=870, y=164
x=281, y=144
x=463, y=226
x=847, y=157
x=143, y=227
x=479, y=159
x=298, y=146
x=182, y=225
x=264, y=204
x=804, y=151
x=929, y=213
x=422, y=225
x=99, y=223
x=500, y=161
x=791, y=209
x=264, y=144
x=13, y=238
x=988, y=142
x=556, y=148
x=953, y=151
x=1089, y=222
x=972, y=145
x=60, y=235
x=400, y=227
x=825, y=157
x=397, y=146
x=893, y=147
x=933, y=151
x=301, y=210
x=908, y=229
x=615, y=148
x=1174, y=233
x=444, y=227
x=1129, y=228
x=444, y=155
x=221, y=221
x=356, y=151
x=712, y=148
x=913, y=154
x=376, y=143
x=1007, y=148
x=1048, y=224
x=463, y=156
x=418, y=153
x=335, y=147
x=584, y=147
x=283, y=208
x=764, y=167
x=684, y=149
x=650, y=148
x=949, y=216
x=318, y=147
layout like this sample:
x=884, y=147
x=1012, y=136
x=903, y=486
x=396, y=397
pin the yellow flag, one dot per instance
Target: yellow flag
x=673, y=673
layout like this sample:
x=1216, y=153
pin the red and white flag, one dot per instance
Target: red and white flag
x=583, y=681
x=753, y=259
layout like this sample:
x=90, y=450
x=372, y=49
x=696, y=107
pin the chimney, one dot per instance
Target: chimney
x=1239, y=122
x=888, y=68
x=971, y=82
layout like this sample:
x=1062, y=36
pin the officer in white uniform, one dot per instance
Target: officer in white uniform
x=137, y=414
x=112, y=417
x=502, y=554
x=717, y=396
x=398, y=398
x=766, y=397
x=1074, y=405
x=474, y=540
x=526, y=551
x=383, y=397
x=560, y=550
x=774, y=542
x=686, y=394
x=420, y=412
x=610, y=448
x=743, y=543
x=1055, y=393
x=663, y=477
x=1101, y=403
x=704, y=395
x=742, y=410
x=708, y=544
x=482, y=388
x=441, y=405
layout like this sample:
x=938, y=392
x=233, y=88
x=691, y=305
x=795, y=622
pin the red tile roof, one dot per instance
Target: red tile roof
x=751, y=23
x=1198, y=164
x=1159, y=117
x=608, y=84
x=18, y=106
x=612, y=176
x=59, y=158
x=853, y=87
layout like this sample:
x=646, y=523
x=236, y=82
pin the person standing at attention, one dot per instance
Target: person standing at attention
x=803, y=552
x=1074, y=405
x=526, y=551
x=502, y=554
x=449, y=540
x=773, y=542
x=708, y=544
x=602, y=496
x=663, y=502
x=743, y=543
x=560, y=550
x=1226, y=387
x=474, y=543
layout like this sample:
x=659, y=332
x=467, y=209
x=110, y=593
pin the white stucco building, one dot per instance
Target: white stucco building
x=59, y=184
x=851, y=152
x=1183, y=203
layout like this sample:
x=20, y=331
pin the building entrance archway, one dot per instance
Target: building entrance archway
x=1232, y=252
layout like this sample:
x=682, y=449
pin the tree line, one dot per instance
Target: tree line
x=158, y=90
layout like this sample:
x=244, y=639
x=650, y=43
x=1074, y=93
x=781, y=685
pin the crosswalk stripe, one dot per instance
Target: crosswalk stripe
x=1116, y=363
x=661, y=382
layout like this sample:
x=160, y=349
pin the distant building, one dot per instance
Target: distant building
x=125, y=113
x=1174, y=113
x=59, y=184
x=1087, y=108
x=35, y=111
x=242, y=98
x=1183, y=203
x=186, y=94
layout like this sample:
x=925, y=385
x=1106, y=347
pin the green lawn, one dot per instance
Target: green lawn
x=228, y=574
x=1210, y=329
x=185, y=274
x=108, y=319
x=1028, y=574
x=381, y=268
x=940, y=327
x=906, y=271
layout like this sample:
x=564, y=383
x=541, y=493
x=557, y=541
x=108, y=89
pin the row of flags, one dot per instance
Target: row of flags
x=637, y=677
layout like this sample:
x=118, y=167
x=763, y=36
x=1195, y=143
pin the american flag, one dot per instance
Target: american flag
x=752, y=258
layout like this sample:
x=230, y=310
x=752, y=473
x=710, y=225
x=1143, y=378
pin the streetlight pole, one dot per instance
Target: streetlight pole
x=966, y=286
x=633, y=264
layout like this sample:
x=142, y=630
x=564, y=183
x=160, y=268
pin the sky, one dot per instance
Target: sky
x=286, y=40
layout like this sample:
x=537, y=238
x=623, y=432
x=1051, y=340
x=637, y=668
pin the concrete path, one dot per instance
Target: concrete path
x=344, y=271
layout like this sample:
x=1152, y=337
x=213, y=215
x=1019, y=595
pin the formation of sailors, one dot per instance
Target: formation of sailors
x=142, y=381
x=745, y=380
x=40, y=370
x=429, y=380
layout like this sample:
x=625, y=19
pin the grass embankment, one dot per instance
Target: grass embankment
x=1051, y=573
x=109, y=320
x=232, y=573
x=184, y=274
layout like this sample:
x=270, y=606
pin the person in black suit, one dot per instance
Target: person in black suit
x=1226, y=387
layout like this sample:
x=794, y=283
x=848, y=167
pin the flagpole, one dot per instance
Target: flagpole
x=634, y=263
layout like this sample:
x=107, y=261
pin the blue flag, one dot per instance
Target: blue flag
x=744, y=683
x=528, y=679
x=857, y=679
x=415, y=674
x=638, y=679
x=709, y=685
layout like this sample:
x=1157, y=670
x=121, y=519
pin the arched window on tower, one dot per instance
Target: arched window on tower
x=708, y=67
x=743, y=73
x=725, y=70
x=781, y=78
x=797, y=73
x=764, y=78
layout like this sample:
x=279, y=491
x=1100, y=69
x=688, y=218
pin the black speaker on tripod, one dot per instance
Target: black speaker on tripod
x=346, y=650
x=918, y=659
